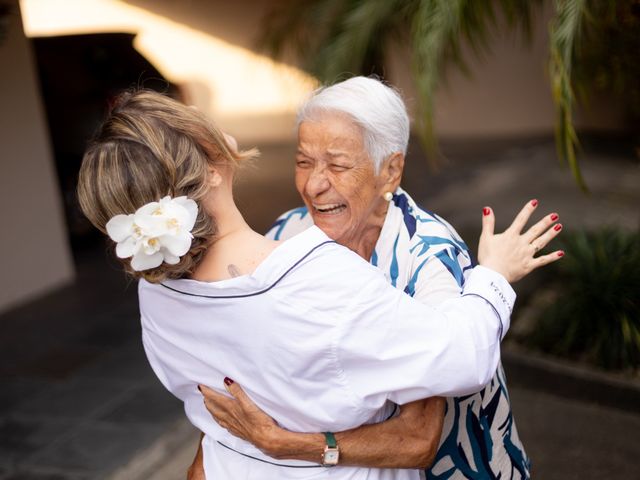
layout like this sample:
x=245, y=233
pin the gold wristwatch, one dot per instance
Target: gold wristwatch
x=331, y=453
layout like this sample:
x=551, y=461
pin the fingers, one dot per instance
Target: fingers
x=238, y=393
x=209, y=393
x=542, y=241
x=214, y=401
x=523, y=217
x=537, y=230
x=543, y=260
x=488, y=221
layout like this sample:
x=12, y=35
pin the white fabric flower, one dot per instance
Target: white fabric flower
x=158, y=232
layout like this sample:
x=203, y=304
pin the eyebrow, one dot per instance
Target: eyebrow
x=330, y=153
x=336, y=153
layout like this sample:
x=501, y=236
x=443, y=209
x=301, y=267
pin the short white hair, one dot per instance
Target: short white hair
x=377, y=108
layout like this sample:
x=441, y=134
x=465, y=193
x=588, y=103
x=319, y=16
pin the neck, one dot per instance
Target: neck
x=229, y=222
x=365, y=241
x=365, y=245
x=236, y=248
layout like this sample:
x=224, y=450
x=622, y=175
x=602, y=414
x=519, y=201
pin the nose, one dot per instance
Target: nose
x=317, y=183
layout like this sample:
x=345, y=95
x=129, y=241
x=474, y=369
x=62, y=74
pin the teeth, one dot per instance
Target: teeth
x=329, y=207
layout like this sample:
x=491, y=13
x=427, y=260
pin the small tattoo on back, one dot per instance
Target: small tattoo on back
x=233, y=270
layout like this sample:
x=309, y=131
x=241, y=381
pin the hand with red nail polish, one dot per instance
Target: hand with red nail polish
x=513, y=253
x=241, y=416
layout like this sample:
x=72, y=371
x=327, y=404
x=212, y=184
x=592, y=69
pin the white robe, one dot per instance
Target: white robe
x=316, y=337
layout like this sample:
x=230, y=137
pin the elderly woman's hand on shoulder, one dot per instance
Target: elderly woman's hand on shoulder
x=512, y=253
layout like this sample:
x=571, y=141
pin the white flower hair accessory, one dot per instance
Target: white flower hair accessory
x=158, y=232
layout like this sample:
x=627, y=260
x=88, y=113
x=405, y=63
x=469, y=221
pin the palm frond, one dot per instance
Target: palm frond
x=335, y=38
x=435, y=28
x=564, y=40
x=519, y=14
x=439, y=29
x=352, y=46
x=298, y=26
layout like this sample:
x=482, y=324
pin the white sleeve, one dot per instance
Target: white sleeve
x=395, y=348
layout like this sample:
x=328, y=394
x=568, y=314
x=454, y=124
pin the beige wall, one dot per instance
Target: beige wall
x=508, y=93
x=34, y=250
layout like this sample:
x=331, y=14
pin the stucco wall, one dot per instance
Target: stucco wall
x=508, y=93
x=34, y=250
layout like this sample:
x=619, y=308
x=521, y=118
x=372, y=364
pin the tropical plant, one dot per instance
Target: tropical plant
x=336, y=36
x=594, y=45
x=596, y=312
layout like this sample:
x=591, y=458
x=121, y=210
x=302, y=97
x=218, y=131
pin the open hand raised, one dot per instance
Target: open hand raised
x=512, y=253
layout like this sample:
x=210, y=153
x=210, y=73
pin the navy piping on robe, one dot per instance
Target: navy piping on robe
x=259, y=292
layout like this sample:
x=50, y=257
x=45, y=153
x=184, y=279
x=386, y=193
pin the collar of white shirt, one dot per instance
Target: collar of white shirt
x=284, y=258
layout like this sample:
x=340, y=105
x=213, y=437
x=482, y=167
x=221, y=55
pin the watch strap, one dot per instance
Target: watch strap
x=330, y=439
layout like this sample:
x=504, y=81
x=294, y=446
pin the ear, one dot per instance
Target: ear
x=214, y=179
x=391, y=172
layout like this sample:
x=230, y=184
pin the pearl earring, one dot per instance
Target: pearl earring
x=388, y=196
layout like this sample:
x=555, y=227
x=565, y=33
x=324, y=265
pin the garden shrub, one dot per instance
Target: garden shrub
x=595, y=316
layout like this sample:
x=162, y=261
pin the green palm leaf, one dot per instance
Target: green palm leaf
x=335, y=38
x=564, y=39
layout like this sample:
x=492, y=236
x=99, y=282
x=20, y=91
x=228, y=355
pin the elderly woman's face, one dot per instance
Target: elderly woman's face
x=336, y=177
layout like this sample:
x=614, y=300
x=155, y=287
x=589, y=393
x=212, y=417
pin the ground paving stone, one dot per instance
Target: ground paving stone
x=125, y=363
x=16, y=390
x=573, y=440
x=146, y=404
x=96, y=448
x=21, y=437
x=75, y=399
x=23, y=475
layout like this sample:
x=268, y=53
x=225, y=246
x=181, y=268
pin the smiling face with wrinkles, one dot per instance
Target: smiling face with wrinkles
x=337, y=181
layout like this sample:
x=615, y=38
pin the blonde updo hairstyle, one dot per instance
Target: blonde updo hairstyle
x=148, y=147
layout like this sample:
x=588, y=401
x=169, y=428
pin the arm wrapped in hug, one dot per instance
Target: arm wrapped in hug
x=401, y=350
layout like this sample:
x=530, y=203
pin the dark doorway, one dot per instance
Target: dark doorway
x=79, y=76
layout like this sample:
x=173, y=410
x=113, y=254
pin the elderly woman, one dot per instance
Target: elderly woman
x=352, y=141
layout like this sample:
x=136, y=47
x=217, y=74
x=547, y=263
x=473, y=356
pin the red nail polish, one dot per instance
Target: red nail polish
x=558, y=227
x=486, y=211
x=554, y=217
x=561, y=253
x=534, y=202
x=227, y=381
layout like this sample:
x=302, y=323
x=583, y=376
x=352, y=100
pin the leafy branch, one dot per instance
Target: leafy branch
x=334, y=38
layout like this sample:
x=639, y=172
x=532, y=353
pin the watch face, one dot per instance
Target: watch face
x=331, y=456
